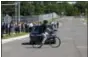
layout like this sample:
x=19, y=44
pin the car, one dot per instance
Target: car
x=35, y=34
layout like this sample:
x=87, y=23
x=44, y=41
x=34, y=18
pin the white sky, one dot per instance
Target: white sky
x=72, y=2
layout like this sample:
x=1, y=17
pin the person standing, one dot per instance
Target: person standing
x=26, y=27
x=53, y=24
x=9, y=28
x=30, y=26
x=19, y=25
x=57, y=24
x=2, y=29
x=16, y=28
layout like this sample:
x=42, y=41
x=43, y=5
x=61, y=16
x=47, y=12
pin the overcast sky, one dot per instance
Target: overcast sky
x=71, y=2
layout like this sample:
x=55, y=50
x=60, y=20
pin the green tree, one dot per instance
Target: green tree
x=27, y=8
x=81, y=6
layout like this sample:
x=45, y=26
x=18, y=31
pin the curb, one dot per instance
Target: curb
x=14, y=38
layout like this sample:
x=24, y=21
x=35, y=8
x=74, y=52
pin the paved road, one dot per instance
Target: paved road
x=73, y=34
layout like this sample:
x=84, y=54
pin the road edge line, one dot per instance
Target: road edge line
x=3, y=41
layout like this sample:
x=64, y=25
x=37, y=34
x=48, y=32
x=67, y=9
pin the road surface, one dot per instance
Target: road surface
x=73, y=35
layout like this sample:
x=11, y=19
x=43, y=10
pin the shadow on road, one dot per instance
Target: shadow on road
x=30, y=45
x=37, y=48
x=26, y=43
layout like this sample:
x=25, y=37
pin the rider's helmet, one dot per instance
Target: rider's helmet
x=45, y=22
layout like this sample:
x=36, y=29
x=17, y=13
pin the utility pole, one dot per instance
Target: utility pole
x=16, y=11
x=19, y=11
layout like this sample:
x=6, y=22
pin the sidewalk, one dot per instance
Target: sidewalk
x=14, y=38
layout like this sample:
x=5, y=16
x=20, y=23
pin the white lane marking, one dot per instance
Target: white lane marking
x=14, y=38
x=84, y=47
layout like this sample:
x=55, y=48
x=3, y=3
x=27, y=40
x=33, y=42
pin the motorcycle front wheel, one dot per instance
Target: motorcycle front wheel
x=56, y=44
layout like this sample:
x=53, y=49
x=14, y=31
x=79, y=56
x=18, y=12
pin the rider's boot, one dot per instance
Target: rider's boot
x=41, y=45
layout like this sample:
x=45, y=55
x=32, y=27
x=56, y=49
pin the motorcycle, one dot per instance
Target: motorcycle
x=36, y=38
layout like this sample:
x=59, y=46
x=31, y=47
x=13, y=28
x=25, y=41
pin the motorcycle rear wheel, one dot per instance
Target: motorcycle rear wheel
x=37, y=45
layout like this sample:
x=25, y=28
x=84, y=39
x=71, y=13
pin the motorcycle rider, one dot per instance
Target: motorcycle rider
x=43, y=31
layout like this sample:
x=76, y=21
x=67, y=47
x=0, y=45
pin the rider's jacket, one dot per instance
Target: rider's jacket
x=43, y=28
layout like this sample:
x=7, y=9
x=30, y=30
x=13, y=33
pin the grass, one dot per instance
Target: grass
x=6, y=36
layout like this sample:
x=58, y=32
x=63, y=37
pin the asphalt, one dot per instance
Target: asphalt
x=73, y=35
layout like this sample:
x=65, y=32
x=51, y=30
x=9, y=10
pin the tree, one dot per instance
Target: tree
x=8, y=9
x=81, y=6
x=43, y=7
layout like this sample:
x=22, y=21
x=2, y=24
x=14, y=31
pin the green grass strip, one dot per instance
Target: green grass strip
x=6, y=36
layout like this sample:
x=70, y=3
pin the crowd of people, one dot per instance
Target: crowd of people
x=15, y=28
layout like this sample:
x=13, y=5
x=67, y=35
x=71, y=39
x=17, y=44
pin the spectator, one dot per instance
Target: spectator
x=19, y=25
x=52, y=23
x=26, y=27
x=22, y=27
x=17, y=28
x=2, y=30
x=13, y=28
x=57, y=24
x=30, y=26
x=6, y=28
x=9, y=28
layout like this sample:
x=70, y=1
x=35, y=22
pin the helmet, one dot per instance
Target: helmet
x=45, y=21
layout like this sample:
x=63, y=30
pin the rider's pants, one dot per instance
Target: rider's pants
x=45, y=37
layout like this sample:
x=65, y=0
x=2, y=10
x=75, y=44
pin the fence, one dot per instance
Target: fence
x=48, y=16
x=35, y=18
